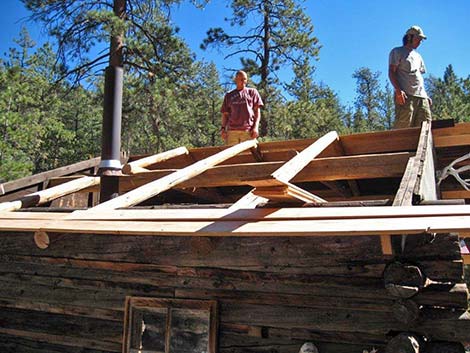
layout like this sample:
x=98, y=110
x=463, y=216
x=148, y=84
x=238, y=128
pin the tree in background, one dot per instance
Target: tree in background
x=39, y=129
x=387, y=107
x=203, y=109
x=82, y=29
x=269, y=35
x=450, y=96
x=367, y=116
x=315, y=109
x=159, y=66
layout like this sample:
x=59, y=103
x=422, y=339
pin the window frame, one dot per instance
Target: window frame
x=149, y=303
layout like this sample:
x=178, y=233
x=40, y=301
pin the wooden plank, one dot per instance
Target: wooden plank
x=373, y=142
x=390, y=165
x=44, y=176
x=414, y=169
x=50, y=194
x=353, y=186
x=330, y=227
x=452, y=141
x=455, y=194
x=425, y=187
x=154, y=188
x=300, y=161
x=248, y=201
x=418, y=180
x=457, y=129
x=285, y=173
x=354, y=144
x=404, y=195
x=386, y=244
x=287, y=192
x=33, y=215
x=294, y=213
x=134, y=166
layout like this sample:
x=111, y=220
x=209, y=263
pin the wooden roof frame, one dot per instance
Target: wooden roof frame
x=271, y=179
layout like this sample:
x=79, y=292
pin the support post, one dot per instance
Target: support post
x=110, y=166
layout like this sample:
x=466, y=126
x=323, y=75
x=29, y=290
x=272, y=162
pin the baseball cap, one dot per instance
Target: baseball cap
x=416, y=30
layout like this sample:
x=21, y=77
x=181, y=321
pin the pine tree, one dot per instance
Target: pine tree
x=278, y=35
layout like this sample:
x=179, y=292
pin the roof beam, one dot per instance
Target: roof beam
x=167, y=182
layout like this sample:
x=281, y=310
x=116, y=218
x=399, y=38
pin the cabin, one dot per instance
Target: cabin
x=351, y=243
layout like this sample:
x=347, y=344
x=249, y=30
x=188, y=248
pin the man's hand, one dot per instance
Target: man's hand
x=254, y=132
x=400, y=97
x=223, y=134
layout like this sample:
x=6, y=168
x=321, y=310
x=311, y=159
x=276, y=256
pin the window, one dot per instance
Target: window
x=162, y=325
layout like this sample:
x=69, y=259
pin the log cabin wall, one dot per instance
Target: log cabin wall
x=274, y=293
x=65, y=292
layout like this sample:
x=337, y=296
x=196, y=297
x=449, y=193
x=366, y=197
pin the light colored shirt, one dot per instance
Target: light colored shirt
x=410, y=69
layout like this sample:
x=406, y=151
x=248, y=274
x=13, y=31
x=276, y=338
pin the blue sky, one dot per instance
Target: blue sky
x=353, y=34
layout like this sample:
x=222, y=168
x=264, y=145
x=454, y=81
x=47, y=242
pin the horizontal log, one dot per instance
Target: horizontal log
x=306, y=318
x=303, y=300
x=433, y=246
x=113, y=280
x=99, y=294
x=442, y=270
x=446, y=325
x=65, y=308
x=26, y=343
x=236, y=343
x=62, y=329
x=299, y=253
x=443, y=295
x=445, y=347
x=245, y=252
x=236, y=334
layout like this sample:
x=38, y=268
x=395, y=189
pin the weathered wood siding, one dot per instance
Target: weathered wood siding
x=274, y=293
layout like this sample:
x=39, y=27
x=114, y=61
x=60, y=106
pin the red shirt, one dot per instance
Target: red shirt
x=241, y=108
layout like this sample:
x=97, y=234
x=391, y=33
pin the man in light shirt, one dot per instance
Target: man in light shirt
x=406, y=68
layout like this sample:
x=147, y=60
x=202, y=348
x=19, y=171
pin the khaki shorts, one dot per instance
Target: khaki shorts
x=236, y=136
x=412, y=113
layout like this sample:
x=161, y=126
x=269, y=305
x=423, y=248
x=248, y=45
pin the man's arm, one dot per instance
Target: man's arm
x=400, y=96
x=223, y=128
x=257, y=117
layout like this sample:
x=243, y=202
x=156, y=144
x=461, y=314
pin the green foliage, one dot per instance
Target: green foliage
x=170, y=99
x=367, y=116
x=83, y=29
x=40, y=127
x=279, y=34
x=450, y=96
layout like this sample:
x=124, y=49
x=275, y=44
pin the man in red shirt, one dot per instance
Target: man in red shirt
x=241, y=112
